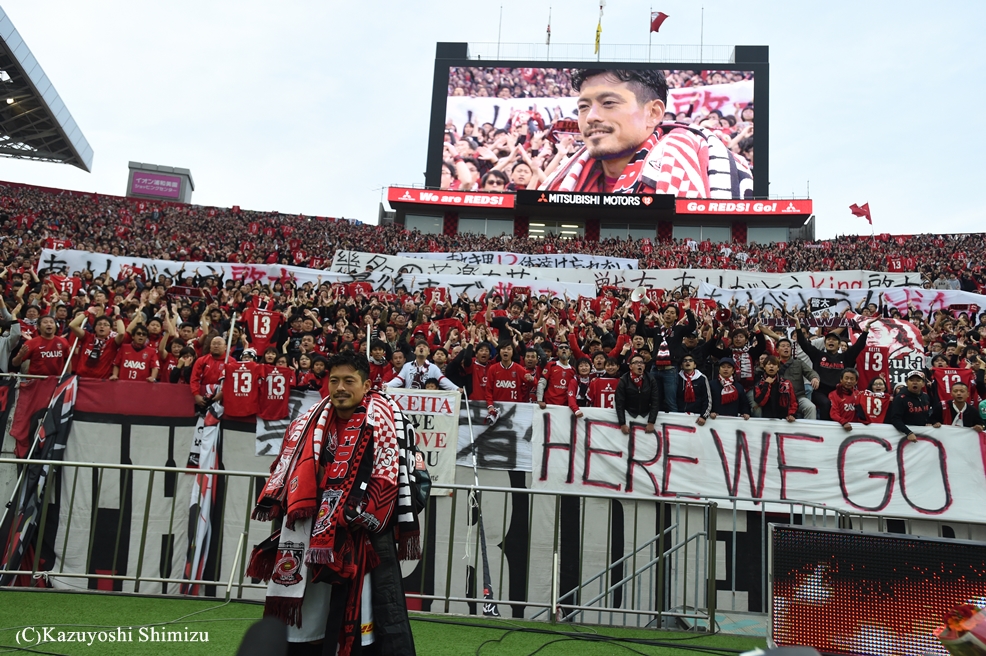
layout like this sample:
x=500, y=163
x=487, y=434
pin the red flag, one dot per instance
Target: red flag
x=657, y=19
x=861, y=210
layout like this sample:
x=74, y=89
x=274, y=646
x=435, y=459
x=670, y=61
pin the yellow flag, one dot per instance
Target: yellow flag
x=599, y=32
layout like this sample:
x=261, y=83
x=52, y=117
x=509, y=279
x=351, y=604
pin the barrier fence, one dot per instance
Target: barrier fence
x=550, y=556
x=659, y=573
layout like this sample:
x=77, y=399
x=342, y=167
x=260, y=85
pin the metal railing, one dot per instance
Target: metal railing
x=81, y=495
x=590, y=558
x=664, y=573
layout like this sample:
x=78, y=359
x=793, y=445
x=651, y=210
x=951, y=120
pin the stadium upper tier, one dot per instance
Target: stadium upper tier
x=31, y=217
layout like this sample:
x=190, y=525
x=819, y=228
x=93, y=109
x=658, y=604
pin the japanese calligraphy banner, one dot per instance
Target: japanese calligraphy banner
x=870, y=470
x=903, y=298
x=546, y=260
x=384, y=278
x=356, y=262
x=435, y=415
x=75, y=260
x=390, y=272
x=505, y=445
x=270, y=432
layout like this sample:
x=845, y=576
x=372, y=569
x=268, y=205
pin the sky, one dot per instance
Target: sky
x=313, y=107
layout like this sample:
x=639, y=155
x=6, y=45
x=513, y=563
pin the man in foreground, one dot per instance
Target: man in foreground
x=341, y=481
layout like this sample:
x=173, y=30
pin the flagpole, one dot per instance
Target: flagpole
x=548, y=57
x=701, y=38
x=499, y=30
x=650, y=32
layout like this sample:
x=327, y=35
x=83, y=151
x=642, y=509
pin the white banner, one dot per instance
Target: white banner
x=545, y=260
x=384, y=278
x=504, y=445
x=390, y=272
x=872, y=469
x=435, y=415
x=74, y=260
x=903, y=298
x=357, y=263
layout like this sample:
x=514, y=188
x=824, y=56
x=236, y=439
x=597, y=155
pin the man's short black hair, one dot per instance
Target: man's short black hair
x=350, y=359
x=647, y=85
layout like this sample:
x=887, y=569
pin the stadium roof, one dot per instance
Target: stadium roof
x=34, y=122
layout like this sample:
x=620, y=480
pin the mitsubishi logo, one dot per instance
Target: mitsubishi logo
x=790, y=208
x=543, y=199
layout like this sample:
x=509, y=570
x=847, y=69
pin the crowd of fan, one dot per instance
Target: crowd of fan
x=677, y=354
x=32, y=218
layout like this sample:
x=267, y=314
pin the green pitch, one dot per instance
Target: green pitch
x=93, y=617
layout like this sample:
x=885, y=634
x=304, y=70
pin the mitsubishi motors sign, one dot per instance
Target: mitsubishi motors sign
x=448, y=198
x=743, y=208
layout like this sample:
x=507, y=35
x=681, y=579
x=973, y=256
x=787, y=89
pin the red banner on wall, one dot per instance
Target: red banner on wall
x=453, y=198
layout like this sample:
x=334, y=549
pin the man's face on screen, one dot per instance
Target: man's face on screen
x=611, y=120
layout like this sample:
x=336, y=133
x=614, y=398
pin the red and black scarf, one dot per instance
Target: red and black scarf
x=689, y=387
x=729, y=392
x=327, y=519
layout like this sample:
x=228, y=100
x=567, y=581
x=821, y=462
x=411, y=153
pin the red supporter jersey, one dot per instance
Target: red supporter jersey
x=134, y=364
x=505, y=384
x=72, y=284
x=873, y=363
x=46, y=356
x=529, y=388
x=154, y=341
x=875, y=405
x=479, y=372
x=167, y=365
x=241, y=389
x=562, y=385
x=275, y=392
x=945, y=377
x=103, y=368
x=602, y=392
x=262, y=325
x=28, y=330
x=207, y=373
x=377, y=372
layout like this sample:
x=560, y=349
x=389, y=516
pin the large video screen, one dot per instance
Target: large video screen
x=145, y=183
x=685, y=132
x=845, y=592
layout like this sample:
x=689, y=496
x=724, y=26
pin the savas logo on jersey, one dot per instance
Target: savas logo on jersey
x=135, y=364
x=506, y=384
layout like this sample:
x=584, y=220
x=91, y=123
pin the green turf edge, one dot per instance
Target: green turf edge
x=435, y=635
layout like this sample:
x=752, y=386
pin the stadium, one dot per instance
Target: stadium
x=589, y=380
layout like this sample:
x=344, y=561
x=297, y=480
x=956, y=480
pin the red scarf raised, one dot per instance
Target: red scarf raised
x=729, y=393
x=689, y=388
